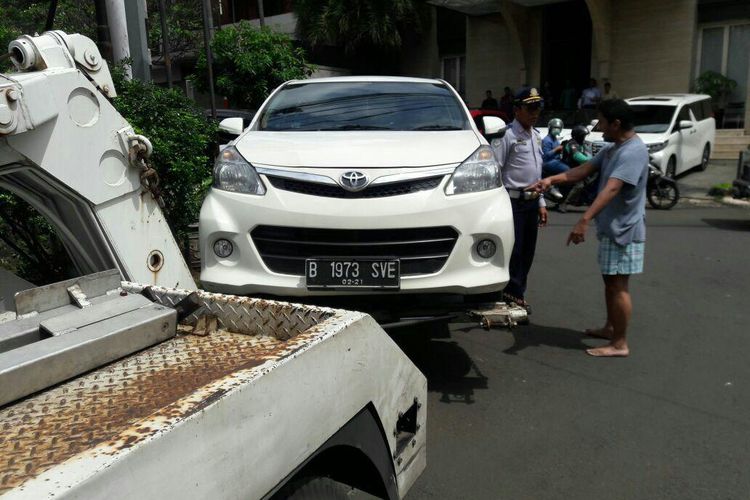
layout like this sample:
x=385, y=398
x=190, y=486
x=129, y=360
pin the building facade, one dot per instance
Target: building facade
x=639, y=46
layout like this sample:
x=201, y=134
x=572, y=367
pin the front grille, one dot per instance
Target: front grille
x=422, y=250
x=376, y=191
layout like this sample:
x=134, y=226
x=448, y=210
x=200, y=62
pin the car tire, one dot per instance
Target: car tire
x=706, y=156
x=671, y=170
x=314, y=488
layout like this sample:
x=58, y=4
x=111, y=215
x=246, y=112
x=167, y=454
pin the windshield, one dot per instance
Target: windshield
x=650, y=119
x=364, y=106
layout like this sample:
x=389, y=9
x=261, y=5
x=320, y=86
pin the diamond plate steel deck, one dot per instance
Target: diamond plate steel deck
x=126, y=402
x=244, y=314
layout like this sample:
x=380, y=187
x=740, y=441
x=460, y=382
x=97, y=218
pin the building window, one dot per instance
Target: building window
x=724, y=48
x=454, y=72
x=233, y=11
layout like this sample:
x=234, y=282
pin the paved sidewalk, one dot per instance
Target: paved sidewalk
x=695, y=184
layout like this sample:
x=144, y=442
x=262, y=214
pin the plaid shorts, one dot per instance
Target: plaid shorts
x=618, y=259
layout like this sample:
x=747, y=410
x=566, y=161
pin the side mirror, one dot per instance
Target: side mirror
x=232, y=126
x=684, y=124
x=494, y=127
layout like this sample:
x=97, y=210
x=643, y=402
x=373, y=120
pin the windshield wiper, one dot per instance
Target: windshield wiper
x=354, y=126
x=438, y=127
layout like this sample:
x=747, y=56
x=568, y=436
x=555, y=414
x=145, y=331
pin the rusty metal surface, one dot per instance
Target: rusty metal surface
x=245, y=314
x=114, y=408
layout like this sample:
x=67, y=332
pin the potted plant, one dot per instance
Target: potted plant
x=718, y=87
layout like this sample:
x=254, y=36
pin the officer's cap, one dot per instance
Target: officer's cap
x=528, y=95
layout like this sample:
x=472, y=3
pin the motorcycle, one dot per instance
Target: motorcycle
x=661, y=190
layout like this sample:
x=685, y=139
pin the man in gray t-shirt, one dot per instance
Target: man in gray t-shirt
x=619, y=210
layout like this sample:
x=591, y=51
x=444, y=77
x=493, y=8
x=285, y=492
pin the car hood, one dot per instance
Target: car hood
x=358, y=149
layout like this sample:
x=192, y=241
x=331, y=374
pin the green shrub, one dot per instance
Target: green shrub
x=716, y=85
x=29, y=246
x=249, y=63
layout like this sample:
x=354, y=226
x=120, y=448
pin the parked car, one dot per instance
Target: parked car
x=479, y=114
x=358, y=184
x=679, y=130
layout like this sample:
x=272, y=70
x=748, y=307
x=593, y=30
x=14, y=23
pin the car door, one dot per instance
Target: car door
x=687, y=139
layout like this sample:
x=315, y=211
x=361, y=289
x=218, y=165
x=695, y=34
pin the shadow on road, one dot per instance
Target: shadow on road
x=447, y=366
x=537, y=336
x=729, y=224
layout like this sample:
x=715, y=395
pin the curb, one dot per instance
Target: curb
x=728, y=200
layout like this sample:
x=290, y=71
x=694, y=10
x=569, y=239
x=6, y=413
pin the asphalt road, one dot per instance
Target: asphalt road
x=527, y=414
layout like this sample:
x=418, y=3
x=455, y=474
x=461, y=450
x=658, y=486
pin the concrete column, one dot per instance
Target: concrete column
x=516, y=18
x=747, y=103
x=601, y=28
x=138, y=39
x=118, y=32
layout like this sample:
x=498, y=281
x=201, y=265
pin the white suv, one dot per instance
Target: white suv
x=679, y=130
x=358, y=184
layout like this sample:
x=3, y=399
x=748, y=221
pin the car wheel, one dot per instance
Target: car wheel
x=671, y=167
x=704, y=159
x=314, y=488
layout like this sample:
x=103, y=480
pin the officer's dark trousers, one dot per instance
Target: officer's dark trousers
x=526, y=227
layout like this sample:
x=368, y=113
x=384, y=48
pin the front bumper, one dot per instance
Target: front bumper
x=476, y=216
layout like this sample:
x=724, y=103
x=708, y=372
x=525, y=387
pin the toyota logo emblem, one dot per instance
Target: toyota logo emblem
x=353, y=181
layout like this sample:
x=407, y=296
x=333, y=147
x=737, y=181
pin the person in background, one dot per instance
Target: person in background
x=551, y=154
x=609, y=93
x=549, y=100
x=591, y=95
x=568, y=96
x=489, y=101
x=506, y=103
x=519, y=153
x=620, y=214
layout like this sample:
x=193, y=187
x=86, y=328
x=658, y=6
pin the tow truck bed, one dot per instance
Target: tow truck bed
x=165, y=421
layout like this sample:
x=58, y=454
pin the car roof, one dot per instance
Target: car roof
x=369, y=79
x=672, y=99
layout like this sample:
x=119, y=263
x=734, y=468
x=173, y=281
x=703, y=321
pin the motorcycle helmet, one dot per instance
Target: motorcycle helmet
x=555, y=127
x=579, y=133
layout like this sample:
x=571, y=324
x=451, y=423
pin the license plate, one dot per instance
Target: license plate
x=332, y=272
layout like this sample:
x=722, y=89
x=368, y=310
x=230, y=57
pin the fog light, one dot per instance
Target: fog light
x=223, y=248
x=486, y=248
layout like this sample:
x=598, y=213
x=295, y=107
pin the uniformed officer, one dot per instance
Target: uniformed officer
x=519, y=153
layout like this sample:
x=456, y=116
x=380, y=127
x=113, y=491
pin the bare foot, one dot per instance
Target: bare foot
x=608, y=351
x=600, y=333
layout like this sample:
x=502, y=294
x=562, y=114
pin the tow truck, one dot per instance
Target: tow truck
x=127, y=381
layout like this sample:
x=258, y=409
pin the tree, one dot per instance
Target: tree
x=250, y=63
x=185, y=26
x=359, y=24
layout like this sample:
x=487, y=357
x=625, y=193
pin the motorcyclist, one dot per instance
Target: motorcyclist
x=574, y=154
x=574, y=151
x=551, y=154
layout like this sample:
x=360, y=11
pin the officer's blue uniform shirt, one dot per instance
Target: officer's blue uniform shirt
x=519, y=153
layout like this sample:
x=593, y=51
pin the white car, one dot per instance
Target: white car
x=358, y=184
x=679, y=130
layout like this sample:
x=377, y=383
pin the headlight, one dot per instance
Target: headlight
x=479, y=172
x=653, y=148
x=233, y=173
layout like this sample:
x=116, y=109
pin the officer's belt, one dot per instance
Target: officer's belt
x=520, y=194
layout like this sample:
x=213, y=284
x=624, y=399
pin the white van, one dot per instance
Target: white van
x=679, y=130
